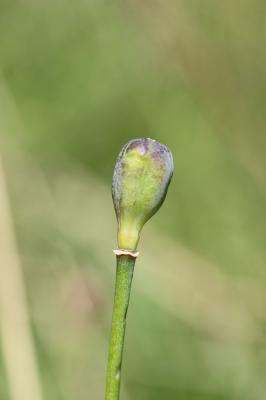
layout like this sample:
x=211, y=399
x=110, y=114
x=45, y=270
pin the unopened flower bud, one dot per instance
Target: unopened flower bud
x=143, y=171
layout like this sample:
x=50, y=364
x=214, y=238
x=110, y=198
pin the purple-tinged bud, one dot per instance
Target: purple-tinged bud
x=143, y=171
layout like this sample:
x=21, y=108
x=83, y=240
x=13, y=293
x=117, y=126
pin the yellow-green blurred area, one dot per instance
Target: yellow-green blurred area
x=77, y=81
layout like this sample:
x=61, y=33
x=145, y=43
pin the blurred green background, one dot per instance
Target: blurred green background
x=77, y=81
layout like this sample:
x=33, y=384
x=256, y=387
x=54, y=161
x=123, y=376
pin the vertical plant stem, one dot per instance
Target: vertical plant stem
x=124, y=274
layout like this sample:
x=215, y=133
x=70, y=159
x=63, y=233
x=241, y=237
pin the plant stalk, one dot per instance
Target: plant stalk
x=124, y=275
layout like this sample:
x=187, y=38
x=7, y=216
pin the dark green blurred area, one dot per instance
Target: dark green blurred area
x=77, y=81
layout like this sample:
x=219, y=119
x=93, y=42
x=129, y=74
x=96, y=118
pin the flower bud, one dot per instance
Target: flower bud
x=142, y=174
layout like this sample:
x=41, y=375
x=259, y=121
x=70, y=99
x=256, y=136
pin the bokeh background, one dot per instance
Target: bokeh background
x=77, y=81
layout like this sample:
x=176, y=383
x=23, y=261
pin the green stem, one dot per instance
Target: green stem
x=124, y=274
